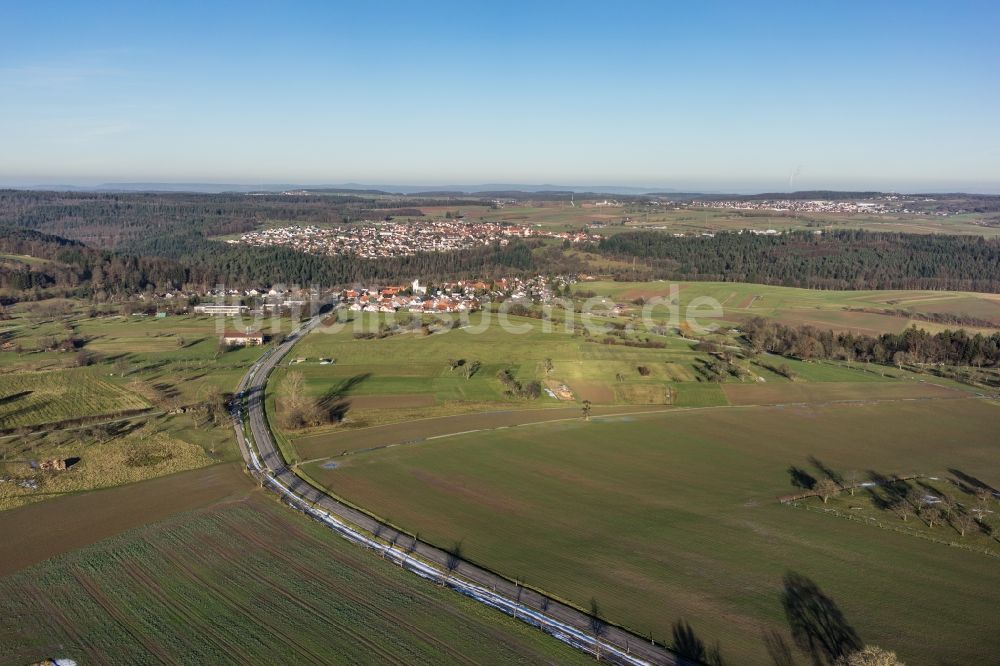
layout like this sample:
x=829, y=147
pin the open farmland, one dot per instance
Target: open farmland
x=387, y=376
x=673, y=516
x=410, y=378
x=870, y=312
x=562, y=215
x=248, y=582
x=74, y=520
x=32, y=398
x=81, y=404
x=115, y=454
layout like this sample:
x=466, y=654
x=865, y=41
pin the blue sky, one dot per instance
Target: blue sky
x=689, y=95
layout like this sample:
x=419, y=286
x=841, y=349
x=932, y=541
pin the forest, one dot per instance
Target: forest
x=843, y=259
x=118, y=220
x=912, y=346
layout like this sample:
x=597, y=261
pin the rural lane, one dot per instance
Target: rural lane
x=571, y=625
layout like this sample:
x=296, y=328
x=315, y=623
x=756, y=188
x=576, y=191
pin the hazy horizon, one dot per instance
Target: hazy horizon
x=403, y=188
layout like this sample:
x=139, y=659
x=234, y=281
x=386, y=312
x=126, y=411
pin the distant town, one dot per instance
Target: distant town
x=888, y=203
x=398, y=239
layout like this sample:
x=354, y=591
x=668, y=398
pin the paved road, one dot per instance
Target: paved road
x=569, y=624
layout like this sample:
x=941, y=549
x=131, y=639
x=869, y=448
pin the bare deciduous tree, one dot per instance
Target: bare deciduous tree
x=851, y=478
x=931, y=514
x=870, y=655
x=826, y=488
x=903, y=509
x=963, y=522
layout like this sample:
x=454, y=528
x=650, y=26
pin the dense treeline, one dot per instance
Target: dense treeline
x=71, y=268
x=831, y=260
x=912, y=346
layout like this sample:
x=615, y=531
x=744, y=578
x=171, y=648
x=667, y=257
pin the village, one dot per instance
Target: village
x=798, y=206
x=388, y=239
x=461, y=296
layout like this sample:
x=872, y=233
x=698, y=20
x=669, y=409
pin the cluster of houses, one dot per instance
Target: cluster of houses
x=799, y=206
x=413, y=298
x=461, y=296
x=397, y=239
x=417, y=298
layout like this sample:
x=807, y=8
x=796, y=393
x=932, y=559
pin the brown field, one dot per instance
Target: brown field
x=984, y=307
x=248, y=582
x=818, y=392
x=642, y=394
x=39, y=531
x=598, y=393
x=648, y=292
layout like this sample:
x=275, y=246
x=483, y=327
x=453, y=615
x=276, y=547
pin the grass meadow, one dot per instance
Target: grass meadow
x=166, y=366
x=409, y=377
x=564, y=216
x=858, y=311
x=667, y=517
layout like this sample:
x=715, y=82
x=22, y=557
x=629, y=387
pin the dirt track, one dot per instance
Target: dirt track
x=333, y=443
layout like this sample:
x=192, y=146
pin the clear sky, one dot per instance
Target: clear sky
x=695, y=94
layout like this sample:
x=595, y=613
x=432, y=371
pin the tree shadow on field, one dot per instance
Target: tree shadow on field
x=778, y=649
x=7, y=399
x=691, y=648
x=817, y=624
x=827, y=471
x=969, y=483
x=453, y=557
x=335, y=402
x=801, y=478
x=887, y=493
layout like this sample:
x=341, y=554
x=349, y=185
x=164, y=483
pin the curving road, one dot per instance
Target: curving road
x=264, y=460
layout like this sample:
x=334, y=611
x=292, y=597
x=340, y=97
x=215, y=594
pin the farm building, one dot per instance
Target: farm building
x=247, y=339
x=225, y=310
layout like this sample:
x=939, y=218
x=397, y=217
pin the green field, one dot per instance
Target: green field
x=114, y=454
x=565, y=216
x=674, y=516
x=31, y=398
x=167, y=366
x=408, y=377
x=859, y=311
x=248, y=582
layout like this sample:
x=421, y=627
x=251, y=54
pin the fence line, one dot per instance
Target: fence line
x=875, y=522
